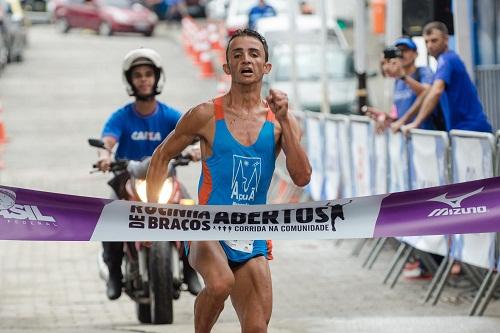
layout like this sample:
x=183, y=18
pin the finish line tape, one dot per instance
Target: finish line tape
x=470, y=207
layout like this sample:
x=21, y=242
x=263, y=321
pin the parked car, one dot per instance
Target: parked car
x=13, y=29
x=105, y=16
x=237, y=12
x=341, y=77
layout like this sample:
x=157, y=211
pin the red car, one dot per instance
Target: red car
x=105, y=16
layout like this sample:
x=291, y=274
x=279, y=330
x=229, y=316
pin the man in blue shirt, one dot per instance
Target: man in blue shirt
x=411, y=85
x=261, y=10
x=138, y=128
x=452, y=87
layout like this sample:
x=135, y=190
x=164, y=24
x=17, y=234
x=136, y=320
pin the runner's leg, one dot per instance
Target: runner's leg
x=209, y=259
x=252, y=295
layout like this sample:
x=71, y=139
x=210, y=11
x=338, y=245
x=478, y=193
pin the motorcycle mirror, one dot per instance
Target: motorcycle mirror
x=97, y=143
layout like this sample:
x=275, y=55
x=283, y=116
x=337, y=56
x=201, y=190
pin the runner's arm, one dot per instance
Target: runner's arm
x=297, y=163
x=184, y=134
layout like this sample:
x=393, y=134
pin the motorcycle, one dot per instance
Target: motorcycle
x=152, y=275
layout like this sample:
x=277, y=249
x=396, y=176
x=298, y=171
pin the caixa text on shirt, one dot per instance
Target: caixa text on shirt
x=148, y=217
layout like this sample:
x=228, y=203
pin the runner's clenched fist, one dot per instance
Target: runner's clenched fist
x=278, y=102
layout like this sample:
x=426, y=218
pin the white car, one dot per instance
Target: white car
x=341, y=77
x=275, y=27
x=237, y=13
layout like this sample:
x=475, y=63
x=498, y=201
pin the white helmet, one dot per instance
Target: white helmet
x=139, y=57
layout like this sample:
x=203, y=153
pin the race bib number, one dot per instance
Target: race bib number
x=240, y=245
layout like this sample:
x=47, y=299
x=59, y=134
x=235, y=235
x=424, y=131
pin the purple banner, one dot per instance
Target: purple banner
x=36, y=215
x=471, y=207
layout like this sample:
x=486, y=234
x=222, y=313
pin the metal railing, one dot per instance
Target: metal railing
x=488, y=86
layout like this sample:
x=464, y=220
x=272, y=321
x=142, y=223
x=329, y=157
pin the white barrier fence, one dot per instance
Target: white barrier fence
x=349, y=159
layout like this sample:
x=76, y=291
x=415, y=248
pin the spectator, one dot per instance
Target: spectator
x=452, y=87
x=306, y=8
x=176, y=10
x=410, y=88
x=262, y=9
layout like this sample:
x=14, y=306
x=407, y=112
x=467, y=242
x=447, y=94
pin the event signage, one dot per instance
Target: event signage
x=470, y=207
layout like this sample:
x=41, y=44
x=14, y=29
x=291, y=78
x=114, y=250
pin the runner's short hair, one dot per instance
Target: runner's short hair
x=436, y=25
x=248, y=33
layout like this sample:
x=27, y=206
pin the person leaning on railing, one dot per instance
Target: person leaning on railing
x=411, y=85
x=452, y=88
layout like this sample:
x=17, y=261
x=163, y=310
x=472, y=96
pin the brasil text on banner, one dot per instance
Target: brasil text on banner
x=469, y=207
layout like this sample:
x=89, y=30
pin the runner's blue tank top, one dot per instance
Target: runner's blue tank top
x=238, y=175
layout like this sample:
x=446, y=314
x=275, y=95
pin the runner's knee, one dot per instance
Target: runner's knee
x=221, y=287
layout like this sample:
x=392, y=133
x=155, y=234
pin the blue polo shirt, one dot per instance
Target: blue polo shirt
x=460, y=102
x=404, y=96
x=138, y=136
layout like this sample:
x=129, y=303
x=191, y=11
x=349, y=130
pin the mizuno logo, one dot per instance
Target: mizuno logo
x=457, y=201
x=455, y=205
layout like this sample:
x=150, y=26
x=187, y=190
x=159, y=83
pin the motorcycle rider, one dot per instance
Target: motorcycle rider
x=138, y=128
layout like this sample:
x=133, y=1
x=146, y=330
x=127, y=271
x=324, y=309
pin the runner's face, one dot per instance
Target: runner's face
x=436, y=42
x=247, y=60
x=143, y=79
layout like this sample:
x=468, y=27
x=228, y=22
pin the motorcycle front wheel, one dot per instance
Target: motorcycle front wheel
x=160, y=283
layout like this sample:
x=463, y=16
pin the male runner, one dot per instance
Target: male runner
x=241, y=136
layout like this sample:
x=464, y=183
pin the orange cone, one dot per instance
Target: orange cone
x=207, y=69
x=3, y=132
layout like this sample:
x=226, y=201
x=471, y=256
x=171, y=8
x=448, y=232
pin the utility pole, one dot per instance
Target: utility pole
x=293, y=55
x=325, y=100
x=360, y=52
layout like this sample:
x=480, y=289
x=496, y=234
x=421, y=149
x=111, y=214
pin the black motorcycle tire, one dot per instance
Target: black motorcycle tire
x=160, y=284
x=143, y=313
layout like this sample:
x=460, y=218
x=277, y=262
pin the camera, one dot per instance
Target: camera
x=392, y=52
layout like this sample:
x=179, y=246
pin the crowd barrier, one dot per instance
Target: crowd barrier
x=349, y=160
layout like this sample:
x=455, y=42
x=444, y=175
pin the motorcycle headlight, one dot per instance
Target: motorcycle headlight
x=165, y=192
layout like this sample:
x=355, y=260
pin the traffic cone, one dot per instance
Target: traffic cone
x=3, y=132
x=200, y=46
x=214, y=38
x=206, y=67
x=189, y=37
